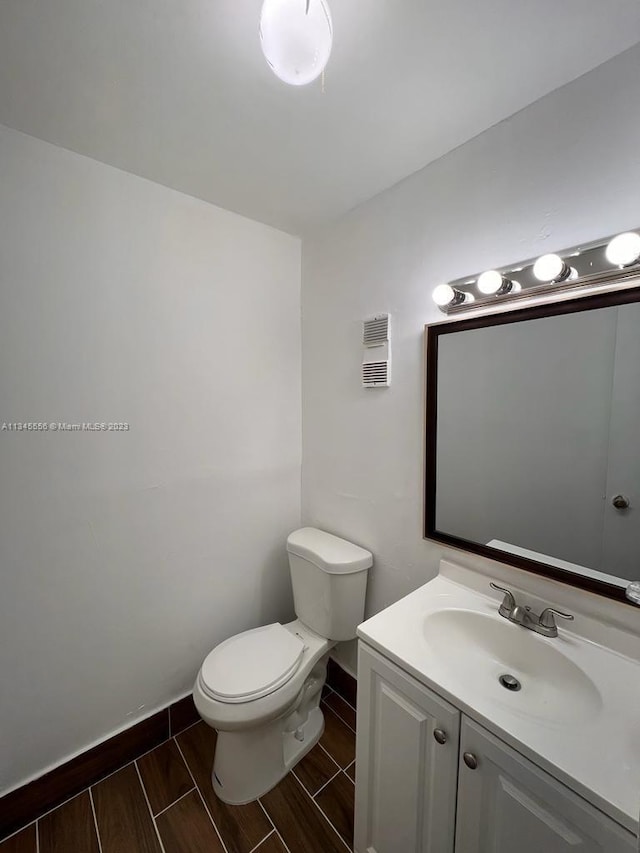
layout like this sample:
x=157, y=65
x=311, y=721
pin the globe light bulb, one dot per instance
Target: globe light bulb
x=446, y=296
x=296, y=38
x=550, y=268
x=490, y=282
x=443, y=295
x=624, y=250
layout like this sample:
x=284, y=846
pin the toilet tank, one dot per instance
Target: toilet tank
x=329, y=579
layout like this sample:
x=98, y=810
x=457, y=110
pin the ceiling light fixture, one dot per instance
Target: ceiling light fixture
x=296, y=38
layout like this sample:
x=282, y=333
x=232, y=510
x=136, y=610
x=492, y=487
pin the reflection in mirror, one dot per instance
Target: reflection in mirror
x=537, y=439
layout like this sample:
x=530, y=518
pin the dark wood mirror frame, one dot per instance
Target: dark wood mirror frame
x=432, y=337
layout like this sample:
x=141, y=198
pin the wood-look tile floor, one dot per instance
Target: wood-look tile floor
x=164, y=803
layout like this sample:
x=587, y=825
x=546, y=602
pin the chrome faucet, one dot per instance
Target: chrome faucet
x=544, y=623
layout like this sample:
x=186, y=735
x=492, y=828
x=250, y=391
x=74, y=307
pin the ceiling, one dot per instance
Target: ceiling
x=178, y=91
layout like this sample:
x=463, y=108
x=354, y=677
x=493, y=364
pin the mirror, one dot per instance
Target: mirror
x=533, y=438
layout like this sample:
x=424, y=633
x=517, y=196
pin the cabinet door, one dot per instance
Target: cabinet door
x=508, y=804
x=406, y=779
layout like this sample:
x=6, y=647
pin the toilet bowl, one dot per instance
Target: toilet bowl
x=261, y=689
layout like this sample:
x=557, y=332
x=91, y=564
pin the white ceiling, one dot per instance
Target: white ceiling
x=178, y=91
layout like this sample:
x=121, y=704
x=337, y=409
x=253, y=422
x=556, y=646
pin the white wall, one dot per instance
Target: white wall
x=125, y=557
x=565, y=170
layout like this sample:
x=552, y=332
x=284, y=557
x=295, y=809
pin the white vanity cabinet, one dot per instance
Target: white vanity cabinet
x=406, y=778
x=506, y=804
x=430, y=780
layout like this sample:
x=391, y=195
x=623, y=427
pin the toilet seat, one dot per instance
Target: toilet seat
x=251, y=665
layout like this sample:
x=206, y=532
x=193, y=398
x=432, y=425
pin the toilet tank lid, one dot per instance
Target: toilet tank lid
x=328, y=552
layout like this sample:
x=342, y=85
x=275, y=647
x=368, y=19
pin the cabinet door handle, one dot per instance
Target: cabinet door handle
x=440, y=736
x=470, y=760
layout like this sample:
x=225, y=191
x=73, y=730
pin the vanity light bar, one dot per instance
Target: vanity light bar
x=611, y=260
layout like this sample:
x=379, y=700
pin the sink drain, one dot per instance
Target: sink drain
x=510, y=682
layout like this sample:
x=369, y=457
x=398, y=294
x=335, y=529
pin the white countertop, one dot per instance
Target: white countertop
x=597, y=754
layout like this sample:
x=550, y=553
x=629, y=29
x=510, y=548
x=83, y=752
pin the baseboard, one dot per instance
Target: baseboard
x=23, y=805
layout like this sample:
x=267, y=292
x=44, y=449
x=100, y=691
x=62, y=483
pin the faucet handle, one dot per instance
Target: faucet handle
x=547, y=617
x=508, y=602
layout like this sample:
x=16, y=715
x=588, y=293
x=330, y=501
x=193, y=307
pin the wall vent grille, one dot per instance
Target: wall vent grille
x=376, y=374
x=375, y=330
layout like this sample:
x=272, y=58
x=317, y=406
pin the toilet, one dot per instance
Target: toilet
x=261, y=689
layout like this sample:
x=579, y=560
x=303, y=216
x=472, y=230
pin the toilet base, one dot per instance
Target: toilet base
x=247, y=764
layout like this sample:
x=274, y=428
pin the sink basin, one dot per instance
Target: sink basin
x=575, y=714
x=477, y=648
